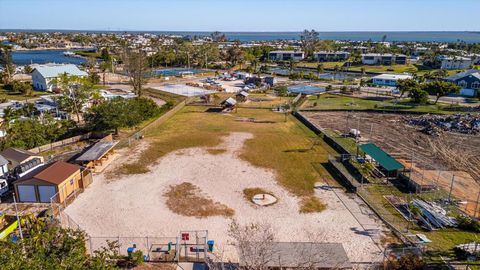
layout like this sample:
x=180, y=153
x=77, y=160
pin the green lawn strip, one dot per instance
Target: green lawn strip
x=17, y=96
x=338, y=102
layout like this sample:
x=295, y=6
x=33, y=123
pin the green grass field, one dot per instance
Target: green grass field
x=285, y=147
x=409, y=68
x=9, y=95
x=337, y=102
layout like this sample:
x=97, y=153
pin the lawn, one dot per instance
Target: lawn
x=9, y=95
x=338, y=102
x=408, y=68
x=287, y=147
x=443, y=240
x=88, y=54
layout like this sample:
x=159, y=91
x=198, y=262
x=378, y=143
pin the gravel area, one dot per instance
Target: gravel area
x=134, y=205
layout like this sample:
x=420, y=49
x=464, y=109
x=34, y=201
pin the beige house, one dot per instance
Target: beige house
x=43, y=183
x=16, y=156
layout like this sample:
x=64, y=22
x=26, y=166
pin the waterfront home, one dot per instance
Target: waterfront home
x=454, y=62
x=324, y=56
x=43, y=76
x=286, y=55
x=469, y=81
x=390, y=79
x=383, y=59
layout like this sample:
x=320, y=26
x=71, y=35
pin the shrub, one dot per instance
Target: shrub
x=468, y=224
x=418, y=95
x=137, y=257
x=24, y=88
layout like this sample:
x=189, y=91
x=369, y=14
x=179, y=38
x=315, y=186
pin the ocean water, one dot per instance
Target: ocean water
x=404, y=36
x=43, y=57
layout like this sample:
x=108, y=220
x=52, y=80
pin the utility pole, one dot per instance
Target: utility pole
x=18, y=217
x=476, y=206
x=346, y=126
x=371, y=133
x=451, y=187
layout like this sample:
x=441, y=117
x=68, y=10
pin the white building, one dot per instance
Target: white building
x=455, y=62
x=286, y=55
x=390, y=79
x=331, y=56
x=383, y=59
x=43, y=76
x=3, y=166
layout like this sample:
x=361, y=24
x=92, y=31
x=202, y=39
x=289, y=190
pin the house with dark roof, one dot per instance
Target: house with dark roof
x=16, y=156
x=42, y=183
x=469, y=81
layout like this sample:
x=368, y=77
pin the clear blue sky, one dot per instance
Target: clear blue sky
x=242, y=15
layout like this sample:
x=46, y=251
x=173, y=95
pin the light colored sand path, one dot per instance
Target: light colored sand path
x=135, y=206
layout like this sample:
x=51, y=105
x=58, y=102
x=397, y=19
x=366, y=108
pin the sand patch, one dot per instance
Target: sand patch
x=187, y=199
x=135, y=205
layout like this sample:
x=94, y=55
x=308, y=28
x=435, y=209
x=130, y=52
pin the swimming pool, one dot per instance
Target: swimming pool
x=177, y=71
x=306, y=89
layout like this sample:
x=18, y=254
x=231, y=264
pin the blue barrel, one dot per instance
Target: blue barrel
x=210, y=244
x=130, y=250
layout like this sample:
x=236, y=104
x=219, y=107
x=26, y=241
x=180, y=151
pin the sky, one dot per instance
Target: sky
x=242, y=15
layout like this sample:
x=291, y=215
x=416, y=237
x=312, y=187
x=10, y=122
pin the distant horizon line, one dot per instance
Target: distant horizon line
x=232, y=31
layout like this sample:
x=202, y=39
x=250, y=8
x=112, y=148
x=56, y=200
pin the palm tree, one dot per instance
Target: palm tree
x=319, y=69
x=335, y=70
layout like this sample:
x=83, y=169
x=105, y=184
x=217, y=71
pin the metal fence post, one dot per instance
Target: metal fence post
x=148, y=249
x=177, y=249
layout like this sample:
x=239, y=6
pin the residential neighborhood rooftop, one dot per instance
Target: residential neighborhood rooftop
x=54, y=70
x=16, y=154
x=57, y=172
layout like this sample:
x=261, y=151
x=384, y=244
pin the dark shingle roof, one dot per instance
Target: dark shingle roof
x=16, y=154
x=3, y=161
x=473, y=72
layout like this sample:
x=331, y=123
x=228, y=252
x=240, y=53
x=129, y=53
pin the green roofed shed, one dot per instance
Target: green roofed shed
x=380, y=156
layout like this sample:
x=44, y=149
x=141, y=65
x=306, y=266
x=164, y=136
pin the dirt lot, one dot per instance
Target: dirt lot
x=135, y=205
x=403, y=141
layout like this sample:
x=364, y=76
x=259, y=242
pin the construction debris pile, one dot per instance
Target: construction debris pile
x=433, y=216
x=435, y=124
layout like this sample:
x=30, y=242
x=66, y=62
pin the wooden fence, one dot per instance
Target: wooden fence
x=51, y=146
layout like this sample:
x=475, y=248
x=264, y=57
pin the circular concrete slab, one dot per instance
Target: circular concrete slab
x=264, y=199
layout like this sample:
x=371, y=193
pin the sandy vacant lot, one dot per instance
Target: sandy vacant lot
x=134, y=205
